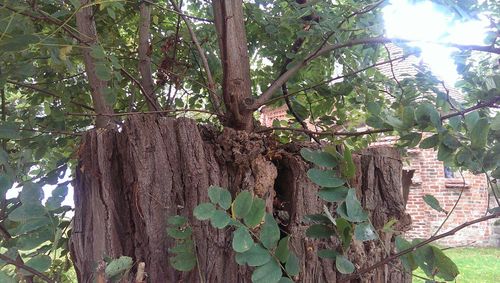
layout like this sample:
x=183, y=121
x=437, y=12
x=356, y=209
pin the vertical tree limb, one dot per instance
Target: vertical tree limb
x=211, y=83
x=144, y=51
x=231, y=35
x=86, y=26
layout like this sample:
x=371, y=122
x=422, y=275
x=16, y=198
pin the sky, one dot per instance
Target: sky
x=422, y=22
x=426, y=22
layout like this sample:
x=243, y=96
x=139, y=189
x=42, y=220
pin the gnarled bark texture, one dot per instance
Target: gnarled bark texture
x=129, y=182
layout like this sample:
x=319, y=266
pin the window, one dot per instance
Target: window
x=449, y=172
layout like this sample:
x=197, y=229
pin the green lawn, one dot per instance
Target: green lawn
x=476, y=265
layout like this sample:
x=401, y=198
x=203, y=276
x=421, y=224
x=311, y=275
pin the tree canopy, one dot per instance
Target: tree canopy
x=69, y=66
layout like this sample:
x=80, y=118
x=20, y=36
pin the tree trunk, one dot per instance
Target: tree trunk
x=129, y=182
x=86, y=26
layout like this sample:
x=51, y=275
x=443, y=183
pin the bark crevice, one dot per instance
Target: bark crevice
x=129, y=182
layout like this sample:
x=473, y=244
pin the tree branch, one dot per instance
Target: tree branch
x=483, y=104
x=211, y=83
x=146, y=85
x=25, y=267
x=86, y=25
x=35, y=88
x=421, y=244
x=326, y=133
x=336, y=78
x=323, y=50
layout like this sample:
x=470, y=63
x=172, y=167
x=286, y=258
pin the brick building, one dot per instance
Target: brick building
x=430, y=176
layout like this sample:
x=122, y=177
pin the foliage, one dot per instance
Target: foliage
x=479, y=265
x=350, y=220
x=256, y=237
x=183, y=253
x=46, y=103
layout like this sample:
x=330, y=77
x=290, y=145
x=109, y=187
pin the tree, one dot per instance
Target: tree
x=70, y=65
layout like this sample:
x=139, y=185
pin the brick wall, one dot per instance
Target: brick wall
x=429, y=178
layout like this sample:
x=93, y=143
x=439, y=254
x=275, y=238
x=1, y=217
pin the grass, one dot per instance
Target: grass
x=476, y=265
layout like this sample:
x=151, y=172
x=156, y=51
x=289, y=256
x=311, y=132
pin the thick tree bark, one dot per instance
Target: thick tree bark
x=86, y=26
x=129, y=182
x=230, y=27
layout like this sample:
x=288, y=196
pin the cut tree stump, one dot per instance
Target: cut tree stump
x=129, y=182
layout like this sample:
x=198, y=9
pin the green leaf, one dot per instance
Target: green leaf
x=270, y=232
x=32, y=225
x=220, y=219
x=178, y=233
x=292, y=265
x=388, y=226
x=353, y=207
x=103, y=72
x=364, y=232
x=407, y=259
x=256, y=214
x=471, y=119
x=451, y=141
x=177, y=220
x=348, y=166
x=242, y=204
x=430, y=142
x=445, y=153
x=325, y=178
x=34, y=239
x=285, y=280
x=27, y=212
x=333, y=194
x=18, y=42
x=495, y=123
x=204, y=211
x=40, y=263
x=118, y=266
x=183, y=261
x=225, y=199
x=242, y=240
x=328, y=254
x=445, y=267
x=343, y=265
x=319, y=231
x=344, y=230
x=479, y=134
x=317, y=218
x=431, y=201
x=255, y=256
x=411, y=139
x=4, y=278
x=319, y=158
x=214, y=194
x=9, y=130
x=97, y=52
x=58, y=196
x=268, y=273
x=424, y=257
x=282, y=252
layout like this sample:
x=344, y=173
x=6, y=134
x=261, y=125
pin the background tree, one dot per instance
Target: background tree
x=68, y=66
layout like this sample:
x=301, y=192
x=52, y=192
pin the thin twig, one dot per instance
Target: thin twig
x=338, y=78
x=41, y=90
x=25, y=267
x=140, y=113
x=318, y=52
x=421, y=244
x=326, y=133
x=480, y=105
x=211, y=83
x=454, y=206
